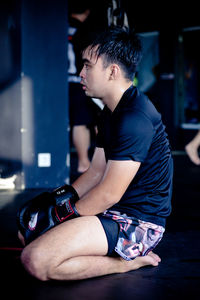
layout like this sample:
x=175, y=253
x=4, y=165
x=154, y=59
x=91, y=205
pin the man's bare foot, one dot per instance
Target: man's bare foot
x=21, y=238
x=151, y=259
x=192, y=152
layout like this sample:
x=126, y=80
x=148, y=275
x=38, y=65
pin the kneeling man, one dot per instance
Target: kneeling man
x=113, y=215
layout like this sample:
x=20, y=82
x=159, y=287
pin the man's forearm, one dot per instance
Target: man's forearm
x=108, y=189
x=87, y=181
x=95, y=201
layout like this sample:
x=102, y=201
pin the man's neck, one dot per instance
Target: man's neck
x=115, y=96
x=81, y=17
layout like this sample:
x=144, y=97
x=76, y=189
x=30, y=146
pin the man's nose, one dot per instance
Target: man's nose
x=82, y=73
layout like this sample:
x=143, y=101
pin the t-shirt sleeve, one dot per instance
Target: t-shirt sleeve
x=131, y=138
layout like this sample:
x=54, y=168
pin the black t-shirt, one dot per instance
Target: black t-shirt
x=134, y=131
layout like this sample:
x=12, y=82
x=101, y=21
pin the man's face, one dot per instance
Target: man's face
x=94, y=76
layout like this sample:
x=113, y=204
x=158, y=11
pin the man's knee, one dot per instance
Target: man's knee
x=34, y=262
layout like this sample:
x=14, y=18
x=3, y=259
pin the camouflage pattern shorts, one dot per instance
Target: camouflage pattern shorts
x=136, y=237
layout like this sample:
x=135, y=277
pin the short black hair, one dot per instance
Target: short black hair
x=78, y=6
x=118, y=45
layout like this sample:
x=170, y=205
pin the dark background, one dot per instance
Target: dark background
x=34, y=120
x=33, y=79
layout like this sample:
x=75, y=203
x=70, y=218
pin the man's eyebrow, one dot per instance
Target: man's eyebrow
x=85, y=60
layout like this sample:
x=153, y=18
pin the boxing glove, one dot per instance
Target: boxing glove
x=65, y=198
x=46, y=211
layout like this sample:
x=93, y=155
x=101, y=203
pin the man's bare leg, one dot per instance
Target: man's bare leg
x=81, y=140
x=77, y=250
x=84, y=267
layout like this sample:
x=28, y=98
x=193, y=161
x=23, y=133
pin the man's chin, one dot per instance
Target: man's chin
x=88, y=93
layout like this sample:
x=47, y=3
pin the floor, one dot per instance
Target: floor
x=177, y=275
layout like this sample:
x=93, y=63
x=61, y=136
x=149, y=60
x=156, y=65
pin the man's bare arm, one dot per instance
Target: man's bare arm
x=93, y=175
x=117, y=177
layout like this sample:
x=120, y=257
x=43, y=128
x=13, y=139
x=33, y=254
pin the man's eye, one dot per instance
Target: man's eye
x=87, y=66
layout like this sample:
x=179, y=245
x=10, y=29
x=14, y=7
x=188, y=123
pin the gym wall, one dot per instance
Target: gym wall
x=34, y=123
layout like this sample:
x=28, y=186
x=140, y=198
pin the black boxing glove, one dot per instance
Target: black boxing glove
x=32, y=217
x=65, y=198
x=46, y=211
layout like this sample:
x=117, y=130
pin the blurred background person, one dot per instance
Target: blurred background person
x=83, y=111
x=192, y=149
x=191, y=91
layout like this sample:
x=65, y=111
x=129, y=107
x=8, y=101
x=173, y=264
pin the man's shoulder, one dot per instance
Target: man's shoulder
x=138, y=113
x=134, y=100
x=142, y=106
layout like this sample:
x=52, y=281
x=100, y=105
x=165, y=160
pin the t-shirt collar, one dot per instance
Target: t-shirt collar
x=127, y=94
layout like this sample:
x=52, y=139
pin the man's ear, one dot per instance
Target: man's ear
x=114, y=71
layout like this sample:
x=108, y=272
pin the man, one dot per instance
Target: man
x=124, y=196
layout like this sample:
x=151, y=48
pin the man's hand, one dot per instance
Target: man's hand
x=65, y=198
x=46, y=211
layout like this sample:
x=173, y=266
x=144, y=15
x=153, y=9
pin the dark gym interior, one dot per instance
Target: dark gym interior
x=36, y=152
